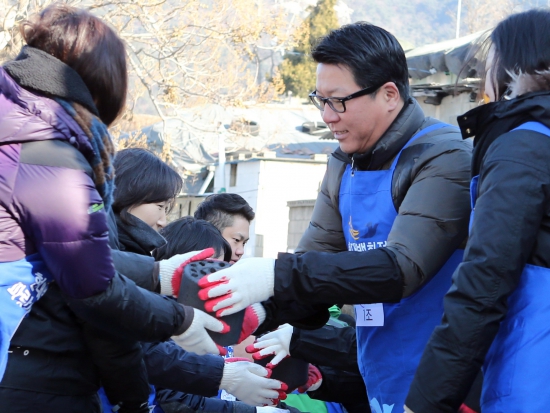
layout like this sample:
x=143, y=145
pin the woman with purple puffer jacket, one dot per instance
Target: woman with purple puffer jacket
x=56, y=181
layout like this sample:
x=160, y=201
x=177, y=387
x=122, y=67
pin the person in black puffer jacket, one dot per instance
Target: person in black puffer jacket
x=496, y=312
x=388, y=225
x=145, y=189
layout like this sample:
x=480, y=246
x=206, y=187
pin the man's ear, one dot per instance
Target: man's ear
x=391, y=95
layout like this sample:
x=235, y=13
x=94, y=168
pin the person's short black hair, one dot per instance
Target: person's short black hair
x=220, y=209
x=189, y=234
x=141, y=177
x=373, y=55
x=522, y=45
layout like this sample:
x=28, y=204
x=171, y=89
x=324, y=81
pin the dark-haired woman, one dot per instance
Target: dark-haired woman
x=496, y=312
x=145, y=190
x=56, y=182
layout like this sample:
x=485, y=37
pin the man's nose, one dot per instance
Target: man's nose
x=329, y=115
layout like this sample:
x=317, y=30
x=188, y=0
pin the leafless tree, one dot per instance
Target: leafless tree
x=182, y=53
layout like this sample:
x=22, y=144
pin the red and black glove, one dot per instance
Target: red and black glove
x=466, y=409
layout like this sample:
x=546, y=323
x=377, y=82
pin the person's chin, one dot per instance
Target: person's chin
x=347, y=148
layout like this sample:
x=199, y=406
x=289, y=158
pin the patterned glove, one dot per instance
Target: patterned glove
x=171, y=270
x=250, y=382
x=246, y=282
x=274, y=343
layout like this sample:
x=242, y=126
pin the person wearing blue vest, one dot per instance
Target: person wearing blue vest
x=58, y=275
x=496, y=312
x=394, y=206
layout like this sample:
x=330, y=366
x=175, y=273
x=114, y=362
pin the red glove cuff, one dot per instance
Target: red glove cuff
x=313, y=376
x=250, y=324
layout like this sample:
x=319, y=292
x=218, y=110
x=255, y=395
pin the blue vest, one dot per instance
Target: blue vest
x=22, y=283
x=390, y=348
x=517, y=366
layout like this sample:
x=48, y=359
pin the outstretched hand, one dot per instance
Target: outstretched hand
x=231, y=290
x=250, y=383
x=196, y=338
x=275, y=343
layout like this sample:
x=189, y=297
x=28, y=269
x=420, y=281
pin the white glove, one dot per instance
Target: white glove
x=196, y=339
x=171, y=270
x=277, y=342
x=271, y=409
x=248, y=382
x=246, y=282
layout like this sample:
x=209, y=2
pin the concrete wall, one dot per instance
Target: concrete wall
x=185, y=205
x=247, y=181
x=281, y=182
x=299, y=215
x=450, y=108
x=268, y=185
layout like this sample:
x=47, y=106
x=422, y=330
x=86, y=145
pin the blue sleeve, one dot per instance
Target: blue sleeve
x=169, y=366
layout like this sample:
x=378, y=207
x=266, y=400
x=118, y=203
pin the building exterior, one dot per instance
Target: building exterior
x=299, y=215
x=268, y=184
x=445, y=77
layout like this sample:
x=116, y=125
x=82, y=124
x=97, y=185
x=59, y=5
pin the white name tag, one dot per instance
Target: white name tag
x=369, y=315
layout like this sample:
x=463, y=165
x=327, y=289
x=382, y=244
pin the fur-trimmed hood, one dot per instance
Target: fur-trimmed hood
x=523, y=83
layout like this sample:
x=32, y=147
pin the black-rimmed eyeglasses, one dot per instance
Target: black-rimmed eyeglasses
x=338, y=104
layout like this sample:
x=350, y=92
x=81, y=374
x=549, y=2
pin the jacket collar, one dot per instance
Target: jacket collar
x=136, y=236
x=488, y=122
x=38, y=71
x=408, y=121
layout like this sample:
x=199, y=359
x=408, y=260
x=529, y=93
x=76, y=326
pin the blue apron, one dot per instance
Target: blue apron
x=22, y=283
x=390, y=348
x=517, y=366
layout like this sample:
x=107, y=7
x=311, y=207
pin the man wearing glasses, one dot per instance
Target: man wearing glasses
x=395, y=197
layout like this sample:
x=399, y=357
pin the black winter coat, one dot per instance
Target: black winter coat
x=184, y=381
x=511, y=228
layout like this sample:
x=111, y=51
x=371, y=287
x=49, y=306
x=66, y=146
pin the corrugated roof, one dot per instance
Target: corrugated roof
x=448, y=56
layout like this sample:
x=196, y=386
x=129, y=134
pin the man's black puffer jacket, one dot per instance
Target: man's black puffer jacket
x=430, y=191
